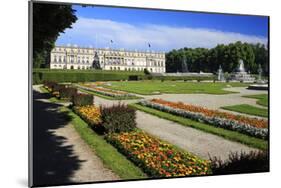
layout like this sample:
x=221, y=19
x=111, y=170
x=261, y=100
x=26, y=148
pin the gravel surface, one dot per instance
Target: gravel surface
x=195, y=141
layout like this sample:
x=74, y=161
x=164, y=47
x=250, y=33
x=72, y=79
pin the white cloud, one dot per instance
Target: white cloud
x=86, y=30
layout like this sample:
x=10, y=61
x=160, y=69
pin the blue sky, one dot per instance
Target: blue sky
x=164, y=30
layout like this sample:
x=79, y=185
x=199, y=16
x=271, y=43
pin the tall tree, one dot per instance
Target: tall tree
x=49, y=20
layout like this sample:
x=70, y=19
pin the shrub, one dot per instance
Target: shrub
x=146, y=72
x=58, y=87
x=133, y=77
x=118, y=118
x=80, y=99
x=67, y=92
x=50, y=84
x=241, y=163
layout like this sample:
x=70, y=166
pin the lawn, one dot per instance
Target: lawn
x=157, y=87
x=228, y=134
x=262, y=99
x=248, y=109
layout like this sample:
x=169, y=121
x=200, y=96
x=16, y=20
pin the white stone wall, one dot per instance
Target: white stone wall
x=82, y=58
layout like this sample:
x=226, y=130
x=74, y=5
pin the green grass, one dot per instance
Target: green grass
x=228, y=134
x=150, y=87
x=43, y=89
x=108, y=97
x=110, y=156
x=247, y=109
x=262, y=99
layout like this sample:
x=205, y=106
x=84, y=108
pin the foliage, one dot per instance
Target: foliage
x=248, y=109
x=227, y=134
x=80, y=99
x=67, y=92
x=118, y=118
x=74, y=76
x=50, y=84
x=209, y=60
x=241, y=163
x=146, y=71
x=251, y=126
x=156, y=158
x=49, y=20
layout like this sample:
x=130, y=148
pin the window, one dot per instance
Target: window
x=55, y=58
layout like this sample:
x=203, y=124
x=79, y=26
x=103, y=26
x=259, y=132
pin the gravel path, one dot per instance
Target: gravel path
x=195, y=141
x=60, y=155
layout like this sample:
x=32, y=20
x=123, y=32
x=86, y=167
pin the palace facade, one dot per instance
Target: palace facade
x=73, y=57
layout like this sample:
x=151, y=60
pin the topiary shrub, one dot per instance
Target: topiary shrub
x=67, y=92
x=118, y=118
x=81, y=99
x=241, y=163
x=58, y=87
x=50, y=84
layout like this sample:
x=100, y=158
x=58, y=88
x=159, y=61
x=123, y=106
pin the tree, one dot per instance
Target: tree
x=49, y=20
x=209, y=60
x=146, y=72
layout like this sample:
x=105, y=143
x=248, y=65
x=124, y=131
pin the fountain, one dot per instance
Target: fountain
x=260, y=84
x=241, y=75
x=220, y=75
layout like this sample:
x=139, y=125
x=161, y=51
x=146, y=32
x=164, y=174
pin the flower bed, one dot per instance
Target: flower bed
x=250, y=126
x=157, y=158
x=90, y=113
x=105, y=91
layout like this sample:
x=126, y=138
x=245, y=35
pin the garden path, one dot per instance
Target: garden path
x=60, y=155
x=195, y=141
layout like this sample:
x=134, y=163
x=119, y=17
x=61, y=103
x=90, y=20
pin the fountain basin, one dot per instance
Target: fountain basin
x=258, y=87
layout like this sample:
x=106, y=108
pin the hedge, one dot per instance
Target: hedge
x=57, y=76
x=92, y=75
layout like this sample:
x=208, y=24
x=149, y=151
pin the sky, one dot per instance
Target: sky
x=135, y=29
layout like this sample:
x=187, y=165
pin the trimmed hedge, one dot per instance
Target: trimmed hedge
x=91, y=75
x=79, y=76
x=118, y=118
x=80, y=99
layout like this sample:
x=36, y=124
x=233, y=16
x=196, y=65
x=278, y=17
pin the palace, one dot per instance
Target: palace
x=73, y=57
